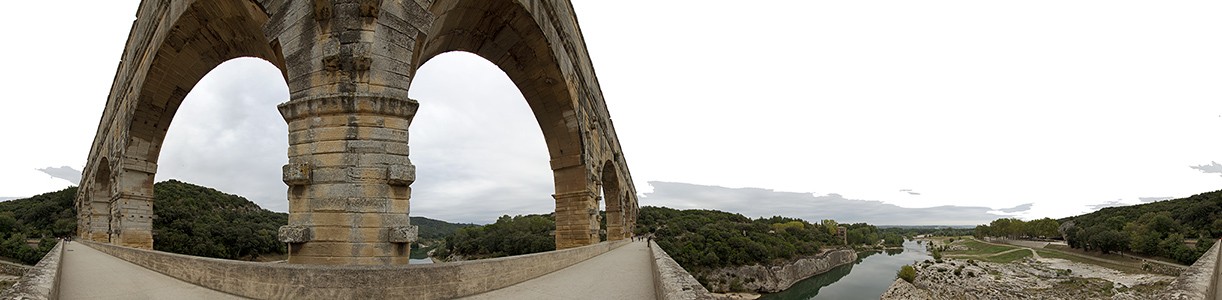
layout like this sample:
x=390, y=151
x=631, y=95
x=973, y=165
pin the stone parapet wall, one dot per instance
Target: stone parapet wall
x=671, y=281
x=41, y=281
x=295, y=281
x=1198, y=281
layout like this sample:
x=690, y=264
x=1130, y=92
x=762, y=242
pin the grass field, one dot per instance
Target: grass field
x=979, y=249
x=1008, y=257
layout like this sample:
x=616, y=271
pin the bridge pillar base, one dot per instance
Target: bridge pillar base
x=348, y=178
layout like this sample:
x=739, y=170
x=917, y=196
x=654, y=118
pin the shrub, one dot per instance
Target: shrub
x=907, y=273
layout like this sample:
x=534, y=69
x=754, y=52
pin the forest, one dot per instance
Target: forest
x=1177, y=229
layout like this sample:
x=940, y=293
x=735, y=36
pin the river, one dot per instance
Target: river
x=867, y=278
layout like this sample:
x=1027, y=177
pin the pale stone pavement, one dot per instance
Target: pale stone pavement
x=623, y=273
x=90, y=274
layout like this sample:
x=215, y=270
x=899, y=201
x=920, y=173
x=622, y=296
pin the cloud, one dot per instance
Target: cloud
x=1212, y=167
x=758, y=202
x=65, y=173
x=1017, y=209
x=478, y=150
x=910, y=192
x=8, y=198
x=1117, y=202
x=1153, y=199
x=228, y=134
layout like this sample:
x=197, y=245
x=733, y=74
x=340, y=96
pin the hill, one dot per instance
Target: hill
x=191, y=219
x=1165, y=229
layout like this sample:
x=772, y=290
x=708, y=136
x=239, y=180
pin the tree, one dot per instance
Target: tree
x=1110, y=241
x=1044, y=228
x=830, y=226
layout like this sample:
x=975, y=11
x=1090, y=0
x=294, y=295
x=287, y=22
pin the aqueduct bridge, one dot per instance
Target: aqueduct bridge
x=349, y=65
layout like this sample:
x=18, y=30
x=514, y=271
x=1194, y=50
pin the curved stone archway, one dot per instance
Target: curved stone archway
x=348, y=65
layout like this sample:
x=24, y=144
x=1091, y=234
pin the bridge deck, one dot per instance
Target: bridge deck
x=623, y=273
x=90, y=274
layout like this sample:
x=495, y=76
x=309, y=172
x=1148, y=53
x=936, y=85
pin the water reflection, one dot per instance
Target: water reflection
x=867, y=278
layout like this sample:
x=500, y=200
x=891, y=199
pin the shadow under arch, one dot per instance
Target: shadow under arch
x=166, y=65
x=505, y=33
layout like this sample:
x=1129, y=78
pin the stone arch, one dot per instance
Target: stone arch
x=614, y=197
x=172, y=46
x=507, y=34
x=94, y=220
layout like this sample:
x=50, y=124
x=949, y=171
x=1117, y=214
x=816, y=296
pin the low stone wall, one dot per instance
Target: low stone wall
x=40, y=282
x=771, y=279
x=1199, y=280
x=671, y=281
x=8, y=268
x=285, y=281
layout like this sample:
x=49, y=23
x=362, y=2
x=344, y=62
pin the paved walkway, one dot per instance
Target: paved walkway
x=623, y=273
x=90, y=274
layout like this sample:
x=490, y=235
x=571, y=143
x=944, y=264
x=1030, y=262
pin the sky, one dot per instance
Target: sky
x=921, y=112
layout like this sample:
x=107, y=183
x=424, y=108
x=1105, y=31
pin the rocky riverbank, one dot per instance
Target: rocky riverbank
x=771, y=279
x=1042, y=278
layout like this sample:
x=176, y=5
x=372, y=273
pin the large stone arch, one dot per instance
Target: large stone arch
x=537, y=55
x=348, y=65
x=173, y=44
x=614, y=196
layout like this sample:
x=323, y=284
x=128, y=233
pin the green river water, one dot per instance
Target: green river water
x=867, y=278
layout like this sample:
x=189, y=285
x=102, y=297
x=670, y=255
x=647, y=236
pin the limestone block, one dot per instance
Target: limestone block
x=401, y=174
x=296, y=174
x=403, y=234
x=295, y=234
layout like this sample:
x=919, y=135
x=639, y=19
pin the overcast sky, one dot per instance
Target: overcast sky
x=1025, y=108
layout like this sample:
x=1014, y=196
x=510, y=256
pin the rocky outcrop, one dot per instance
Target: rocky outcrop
x=1025, y=279
x=771, y=279
x=7, y=268
x=902, y=290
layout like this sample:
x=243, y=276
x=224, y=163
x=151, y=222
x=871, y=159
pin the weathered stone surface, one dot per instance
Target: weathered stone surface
x=401, y=174
x=295, y=234
x=671, y=281
x=403, y=234
x=39, y=282
x=771, y=279
x=902, y=290
x=296, y=174
x=1198, y=281
x=8, y=268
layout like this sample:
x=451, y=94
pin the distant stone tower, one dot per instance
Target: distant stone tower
x=349, y=65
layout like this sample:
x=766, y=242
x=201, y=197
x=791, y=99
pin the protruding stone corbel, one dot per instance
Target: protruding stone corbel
x=370, y=8
x=361, y=63
x=295, y=234
x=323, y=10
x=296, y=174
x=331, y=63
x=401, y=175
x=402, y=234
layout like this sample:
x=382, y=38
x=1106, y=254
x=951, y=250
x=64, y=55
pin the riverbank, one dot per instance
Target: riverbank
x=1033, y=277
x=770, y=279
